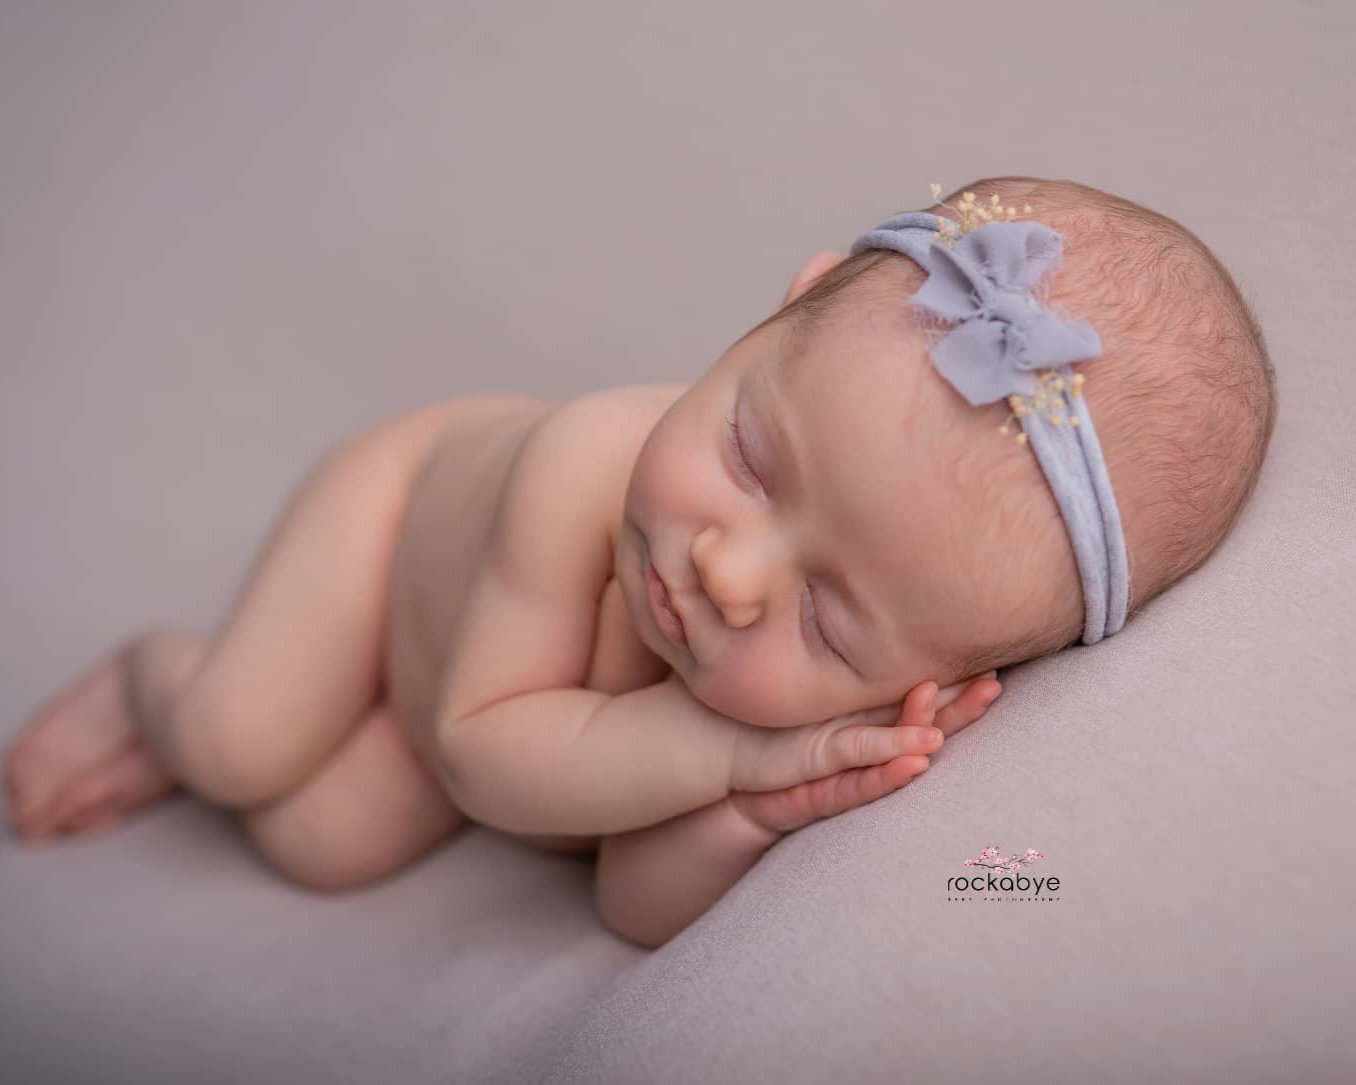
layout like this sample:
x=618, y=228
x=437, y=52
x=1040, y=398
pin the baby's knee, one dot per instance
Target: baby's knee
x=199, y=734
x=317, y=839
x=292, y=848
x=225, y=757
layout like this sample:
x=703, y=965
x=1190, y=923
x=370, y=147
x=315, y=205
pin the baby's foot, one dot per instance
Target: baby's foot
x=79, y=763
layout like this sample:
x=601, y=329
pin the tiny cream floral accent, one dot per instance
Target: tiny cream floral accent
x=1049, y=384
x=970, y=213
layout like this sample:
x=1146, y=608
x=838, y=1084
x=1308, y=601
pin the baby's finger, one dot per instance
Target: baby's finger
x=858, y=747
x=844, y=791
x=870, y=784
x=919, y=706
x=925, y=740
x=968, y=707
x=947, y=694
x=793, y=808
x=879, y=716
x=856, y=787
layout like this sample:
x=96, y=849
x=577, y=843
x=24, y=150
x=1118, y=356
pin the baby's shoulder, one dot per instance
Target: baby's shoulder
x=567, y=483
x=612, y=415
x=531, y=613
x=581, y=453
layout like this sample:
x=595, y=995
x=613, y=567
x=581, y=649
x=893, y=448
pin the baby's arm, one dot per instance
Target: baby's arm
x=577, y=761
x=652, y=883
x=522, y=746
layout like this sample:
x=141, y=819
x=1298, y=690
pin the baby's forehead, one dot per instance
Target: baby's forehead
x=860, y=436
x=895, y=446
x=946, y=515
x=860, y=371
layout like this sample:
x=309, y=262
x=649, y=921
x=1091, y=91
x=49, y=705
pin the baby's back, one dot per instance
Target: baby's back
x=441, y=538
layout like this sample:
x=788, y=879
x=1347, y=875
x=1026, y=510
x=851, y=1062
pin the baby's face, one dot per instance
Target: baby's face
x=820, y=552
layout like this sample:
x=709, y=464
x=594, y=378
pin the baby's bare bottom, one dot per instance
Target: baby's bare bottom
x=282, y=713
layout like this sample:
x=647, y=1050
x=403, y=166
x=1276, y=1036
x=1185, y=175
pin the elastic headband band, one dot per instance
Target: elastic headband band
x=1004, y=343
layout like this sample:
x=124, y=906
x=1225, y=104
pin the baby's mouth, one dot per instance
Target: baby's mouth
x=661, y=606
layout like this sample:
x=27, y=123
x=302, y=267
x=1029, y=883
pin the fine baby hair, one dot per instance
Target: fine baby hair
x=1002, y=343
x=1015, y=282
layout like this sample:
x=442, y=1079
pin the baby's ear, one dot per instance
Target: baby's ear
x=811, y=270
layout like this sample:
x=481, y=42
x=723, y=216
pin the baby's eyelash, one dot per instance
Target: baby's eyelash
x=740, y=462
x=819, y=629
x=742, y=465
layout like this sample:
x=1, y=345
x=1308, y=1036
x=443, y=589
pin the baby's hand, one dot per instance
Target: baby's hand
x=891, y=756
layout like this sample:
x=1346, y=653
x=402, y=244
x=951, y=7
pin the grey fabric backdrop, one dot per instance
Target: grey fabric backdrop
x=230, y=234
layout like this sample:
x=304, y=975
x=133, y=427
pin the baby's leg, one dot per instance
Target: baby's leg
x=298, y=661
x=294, y=668
x=370, y=810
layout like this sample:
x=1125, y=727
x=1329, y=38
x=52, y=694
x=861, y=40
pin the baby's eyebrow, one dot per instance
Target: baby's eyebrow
x=771, y=420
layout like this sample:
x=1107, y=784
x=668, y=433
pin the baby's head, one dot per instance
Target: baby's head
x=861, y=527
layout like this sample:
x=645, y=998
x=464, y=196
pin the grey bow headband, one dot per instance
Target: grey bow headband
x=1004, y=343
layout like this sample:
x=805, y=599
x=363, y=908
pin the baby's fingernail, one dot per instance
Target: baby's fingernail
x=934, y=734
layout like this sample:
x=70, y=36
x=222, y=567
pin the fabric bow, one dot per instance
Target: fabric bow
x=1004, y=334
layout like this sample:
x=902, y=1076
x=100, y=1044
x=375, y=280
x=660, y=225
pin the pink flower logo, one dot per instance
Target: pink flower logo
x=991, y=859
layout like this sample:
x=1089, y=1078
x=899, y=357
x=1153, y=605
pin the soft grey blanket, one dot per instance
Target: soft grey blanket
x=230, y=233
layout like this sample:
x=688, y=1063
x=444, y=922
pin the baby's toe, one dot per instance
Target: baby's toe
x=122, y=783
x=10, y=759
x=27, y=787
x=96, y=816
x=89, y=791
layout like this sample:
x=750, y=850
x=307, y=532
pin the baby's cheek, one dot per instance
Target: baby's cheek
x=761, y=695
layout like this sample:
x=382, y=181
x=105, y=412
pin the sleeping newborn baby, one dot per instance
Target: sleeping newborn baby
x=671, y=623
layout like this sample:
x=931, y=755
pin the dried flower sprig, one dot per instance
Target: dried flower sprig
x=971, y=214
x=1049, y=385
x=1048, y=396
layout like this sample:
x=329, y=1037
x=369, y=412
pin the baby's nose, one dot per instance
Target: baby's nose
x=738, y=615
x=732, y=583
